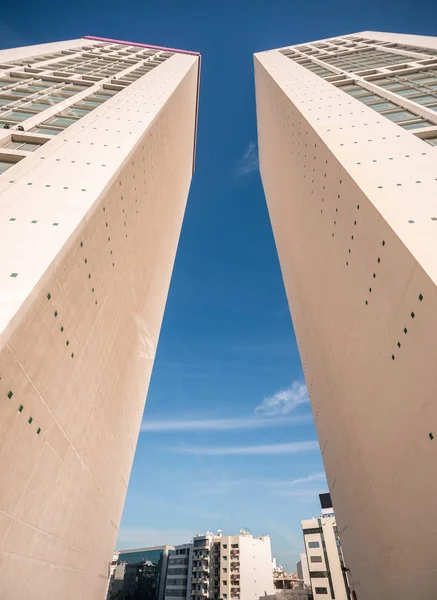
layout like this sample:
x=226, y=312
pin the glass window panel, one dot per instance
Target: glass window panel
x=370, y=99
x=18, y=93
x=38, y=106
x=417, y=125
x=35, y=88
x=54, y=99
x=80, y=112
x=400, y=115
x=358, y=93
x=91, y=103
x=383, y=106
x=425, y=99
x=407, y=92
x=383, y=82
x=5, y=101
x=17, y=115
x=390, y=86
x=46, y=131
x=5, y=165
x=29, y=147
x=5, y=82
x=13, y=145
x=60, y=121
x=423, y=79
x=432, y=141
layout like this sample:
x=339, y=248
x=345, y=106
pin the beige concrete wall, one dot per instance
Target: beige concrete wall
x=342, y=185
x=81, y=325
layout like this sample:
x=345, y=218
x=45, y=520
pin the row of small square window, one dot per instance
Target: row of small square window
x=20, y=409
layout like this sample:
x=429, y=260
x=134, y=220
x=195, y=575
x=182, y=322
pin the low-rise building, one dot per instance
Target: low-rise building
x=237, y=567
x=139, y=573
x=303, y=572
x=327, y=570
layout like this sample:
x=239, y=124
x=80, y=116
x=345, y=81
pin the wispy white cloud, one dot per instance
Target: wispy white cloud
x=287, y=448
x=222, y=424
x=284, y=401
x=248, y=162
x=297, y=493
x=309, y=479
x=224, y=484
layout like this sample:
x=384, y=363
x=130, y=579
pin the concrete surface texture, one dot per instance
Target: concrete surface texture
x=351, y=187
x=90, y=223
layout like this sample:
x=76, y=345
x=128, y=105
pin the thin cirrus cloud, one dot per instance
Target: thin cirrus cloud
x=248, y=162
x=286, y=448
x=284, y=401
x=308, y=479
x=270, y=413
x=222, y=424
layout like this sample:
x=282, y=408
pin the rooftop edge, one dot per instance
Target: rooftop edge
x=163, y=48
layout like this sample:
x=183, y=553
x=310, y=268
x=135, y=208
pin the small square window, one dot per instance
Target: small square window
x=10, y=394
x=20, y=408
x=30, y=420
x=38, y=431
x=420, y=297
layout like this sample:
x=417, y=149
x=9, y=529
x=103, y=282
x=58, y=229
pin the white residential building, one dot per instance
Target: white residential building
x=347, y=130
x=324, y=559
x=235, y=567
x=97, y=144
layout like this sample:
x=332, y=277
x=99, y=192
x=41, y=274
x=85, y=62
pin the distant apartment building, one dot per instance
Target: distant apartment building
x=302, y=569
x=235, y=567
x=139, y=573
x=179, y=573
x=327, y=570
x=347, y=130
x=97, y=148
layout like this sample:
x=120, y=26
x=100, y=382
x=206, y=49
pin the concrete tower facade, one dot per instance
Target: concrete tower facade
x=96, y=158
x=347, y=132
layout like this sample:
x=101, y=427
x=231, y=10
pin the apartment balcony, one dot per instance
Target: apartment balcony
x=236, y=582
x=235, y=570
x=235, y=596
x=235, y=563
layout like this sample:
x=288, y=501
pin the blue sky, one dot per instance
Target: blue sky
x=228, y=438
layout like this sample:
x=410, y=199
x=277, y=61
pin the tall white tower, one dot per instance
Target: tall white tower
x=96, y=157
x=347, y=142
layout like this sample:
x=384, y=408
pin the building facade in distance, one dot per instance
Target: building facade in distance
x=179, y=573
x=303, y=572
x=324, y=556
x=347, y=144
x=139, y=573
x=97, y=144
x=237, y=567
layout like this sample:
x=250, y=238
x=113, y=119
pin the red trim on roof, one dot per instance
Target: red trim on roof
x=110, y=41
